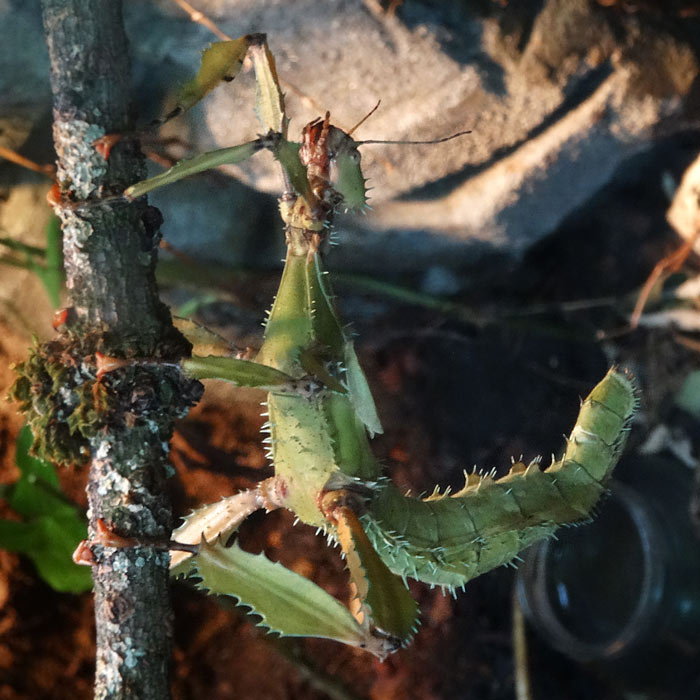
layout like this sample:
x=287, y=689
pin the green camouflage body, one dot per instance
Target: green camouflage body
x=449, y=539
x=312, y=439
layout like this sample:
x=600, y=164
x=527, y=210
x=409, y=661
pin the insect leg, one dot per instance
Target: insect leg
x=222, y=518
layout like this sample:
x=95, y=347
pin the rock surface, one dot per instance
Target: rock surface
x=560, y=95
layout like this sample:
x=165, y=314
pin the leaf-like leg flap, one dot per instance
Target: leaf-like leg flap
x=253, y=374
x=312, y=362
x=198, y=164
x=204, y=341
x=383, y=601
x=349, y=180
x=239, y=372
x=222, y=518
x=360, y=393
x=287, y=153
x=269, y=101
x=288, y=603
x=220, y=61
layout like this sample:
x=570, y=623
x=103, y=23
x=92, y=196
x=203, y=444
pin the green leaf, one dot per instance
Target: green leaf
x=30, y=465
x=198, y=164
x=37, y=491
x=221, y=61
x=288, y=603
x=45, y=263
x=52, y=276
x=688, y=397
x=196, y=303
x=49, y=542
x=19, y=247
x=52, y=526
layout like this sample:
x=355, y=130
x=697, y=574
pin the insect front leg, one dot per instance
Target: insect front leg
x=221, y=519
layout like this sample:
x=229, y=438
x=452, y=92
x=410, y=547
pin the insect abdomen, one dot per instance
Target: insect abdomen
x=449, y=539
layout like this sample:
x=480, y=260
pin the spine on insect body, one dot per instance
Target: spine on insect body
x=448, y=539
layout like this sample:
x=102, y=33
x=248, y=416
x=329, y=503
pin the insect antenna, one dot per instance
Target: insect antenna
x=415, y=143
x=364, y=119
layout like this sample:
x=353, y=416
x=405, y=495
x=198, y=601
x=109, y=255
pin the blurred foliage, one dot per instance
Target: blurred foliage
x=49, y=526
x=45, y=263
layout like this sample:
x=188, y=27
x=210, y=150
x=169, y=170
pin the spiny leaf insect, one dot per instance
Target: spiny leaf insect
x=321, y=416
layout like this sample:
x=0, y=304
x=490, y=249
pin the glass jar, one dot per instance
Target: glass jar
x=622, y=594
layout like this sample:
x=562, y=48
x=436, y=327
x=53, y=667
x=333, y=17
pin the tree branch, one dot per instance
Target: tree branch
x=110, y=252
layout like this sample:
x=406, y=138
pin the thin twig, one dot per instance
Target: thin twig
x=201, y=18
x=690, y=343
x=523, y=689
x=14, y=157
x=665, y=267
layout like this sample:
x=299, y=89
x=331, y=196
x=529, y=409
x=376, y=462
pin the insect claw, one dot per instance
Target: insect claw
x=83, y=554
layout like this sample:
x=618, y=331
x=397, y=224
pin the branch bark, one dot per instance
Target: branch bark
x=110, y=252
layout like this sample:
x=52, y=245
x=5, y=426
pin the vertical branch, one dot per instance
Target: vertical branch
x=110, y=253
